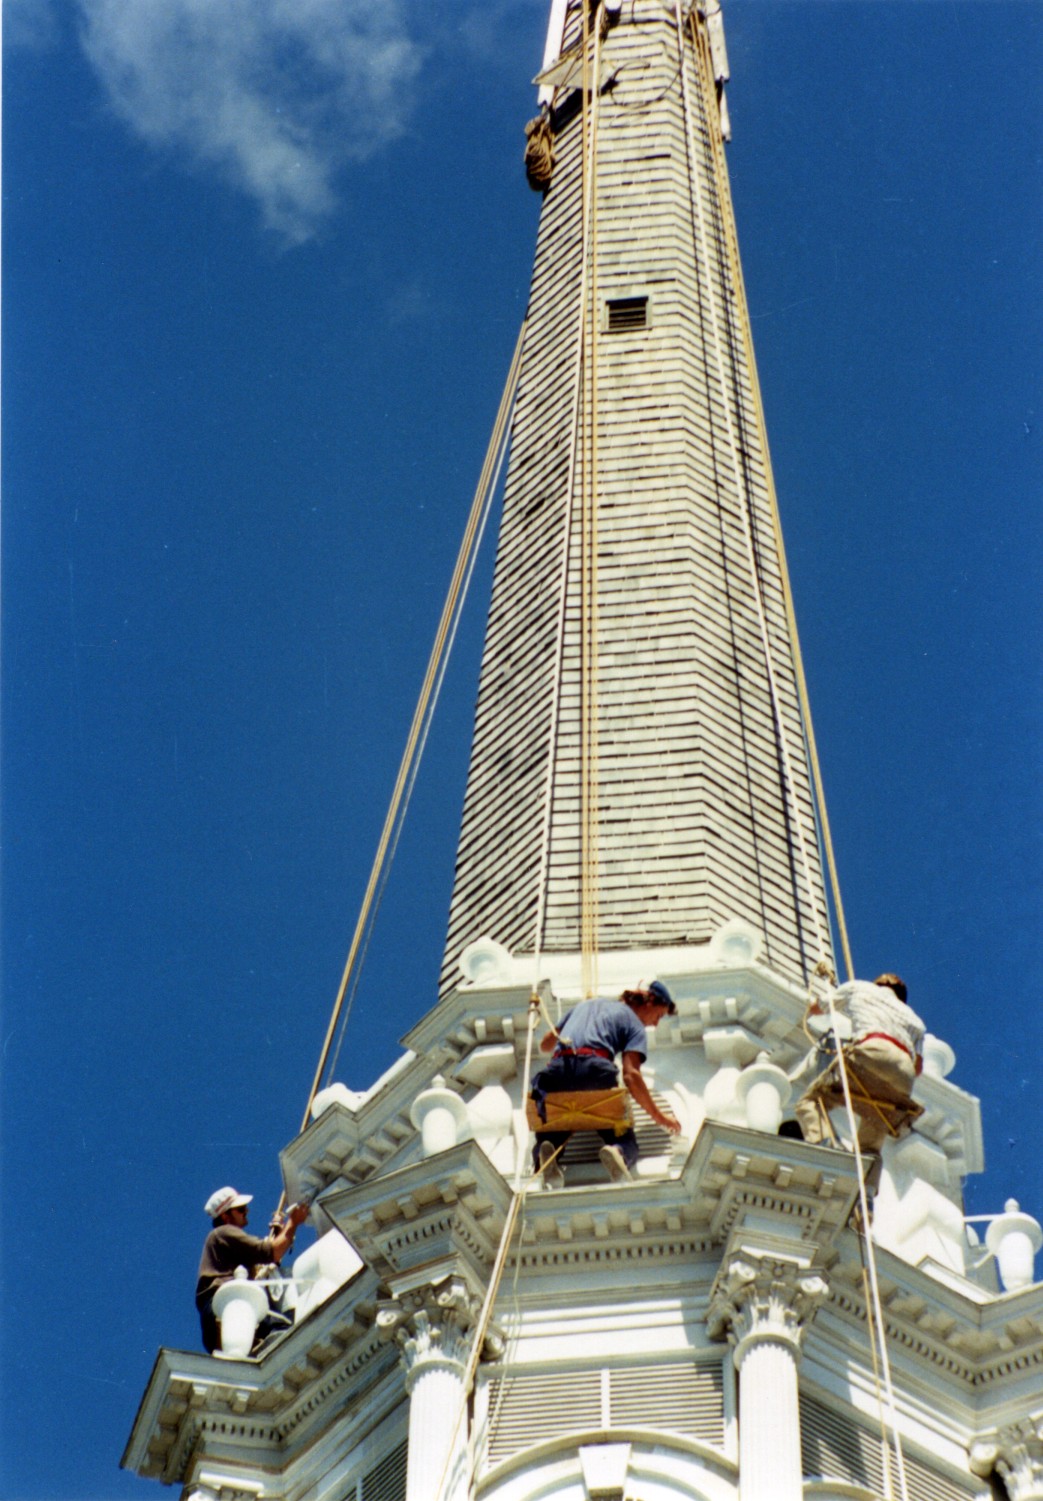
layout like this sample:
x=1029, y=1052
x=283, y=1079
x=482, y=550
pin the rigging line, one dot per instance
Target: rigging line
x=876, y=1309
x=584, y=544
x=743, y=484
x=502, y=416
x=490, y=491
x=820, y=843
x=523, y=1139
x=584, y=477
x=885, y=1444
x=878, y=1331
x=745, y=505
x=589, y=922
x=514, y=1334
x=595, y=666
x=481, y=1330
x=543, y=874
x=728, y=220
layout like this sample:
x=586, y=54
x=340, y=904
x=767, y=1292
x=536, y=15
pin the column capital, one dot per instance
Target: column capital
x=220, y=1488
x=758, y=1298
x=432, y=1325
x=1015, y=1453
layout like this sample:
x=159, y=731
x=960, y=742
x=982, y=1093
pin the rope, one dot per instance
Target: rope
x=876, y=1309
x=885, y=1446
x=589, y=792
x=535, y=1005
x=539, y=153
x=875, y=1303
x=735, y=266
x=518, y=1193
x=461, y=571
x=490, y=491
x=745, y=497
x=576, y=432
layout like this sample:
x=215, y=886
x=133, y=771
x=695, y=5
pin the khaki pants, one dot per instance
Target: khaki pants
x=884, y=1072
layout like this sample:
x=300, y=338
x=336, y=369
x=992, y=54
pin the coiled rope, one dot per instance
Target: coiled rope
x=539, y=153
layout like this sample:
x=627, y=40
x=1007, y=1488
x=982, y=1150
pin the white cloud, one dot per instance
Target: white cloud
x=275, y=95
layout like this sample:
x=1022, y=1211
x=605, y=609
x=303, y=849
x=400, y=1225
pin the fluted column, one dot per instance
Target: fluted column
x=433, y=1327
x=762, y=1304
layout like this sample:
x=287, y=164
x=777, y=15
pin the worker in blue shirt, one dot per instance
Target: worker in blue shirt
x=584, y=1049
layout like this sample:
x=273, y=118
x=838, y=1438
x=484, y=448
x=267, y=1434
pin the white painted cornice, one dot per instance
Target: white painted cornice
x=986, y=1350
x=260, y=1410
x=440, y=1216
x=369, y=1136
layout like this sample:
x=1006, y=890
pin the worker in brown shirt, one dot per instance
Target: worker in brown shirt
x=229, y=1246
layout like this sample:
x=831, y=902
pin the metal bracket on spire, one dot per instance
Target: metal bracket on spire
x=718, y=51
x=719, y=62
x=552, y=50
x=566, y=72
x=561, y=70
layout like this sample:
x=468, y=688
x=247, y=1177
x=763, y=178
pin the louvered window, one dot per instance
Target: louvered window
x=834, y=1447
x=682, y=1398
x=386, y=1481
x=527, y=1408
x=624, y=314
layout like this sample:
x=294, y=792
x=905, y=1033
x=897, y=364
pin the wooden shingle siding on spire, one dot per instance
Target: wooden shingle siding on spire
x=694, y=824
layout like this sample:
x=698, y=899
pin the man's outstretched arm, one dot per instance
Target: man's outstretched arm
x=636, y=1086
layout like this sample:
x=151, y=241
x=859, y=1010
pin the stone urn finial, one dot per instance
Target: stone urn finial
x=440, y=1115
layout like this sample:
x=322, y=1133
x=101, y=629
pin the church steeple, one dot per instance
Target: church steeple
x=639, y=795
x=638, y=773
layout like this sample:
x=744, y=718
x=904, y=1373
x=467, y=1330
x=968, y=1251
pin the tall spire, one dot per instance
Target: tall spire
x=715, y=1324
x=638, y=773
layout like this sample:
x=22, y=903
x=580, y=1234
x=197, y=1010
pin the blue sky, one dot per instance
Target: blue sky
x=265, y=265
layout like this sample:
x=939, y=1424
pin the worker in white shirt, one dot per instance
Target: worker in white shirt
x=883, y=1058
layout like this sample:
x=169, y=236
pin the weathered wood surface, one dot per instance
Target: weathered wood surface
x=693, y=822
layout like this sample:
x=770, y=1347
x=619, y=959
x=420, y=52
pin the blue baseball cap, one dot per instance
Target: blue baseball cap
x=663, y=996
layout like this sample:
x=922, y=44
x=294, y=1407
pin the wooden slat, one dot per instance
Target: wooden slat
x=693, y=822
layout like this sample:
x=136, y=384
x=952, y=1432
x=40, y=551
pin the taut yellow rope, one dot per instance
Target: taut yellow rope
x=580, y=523
x=489, y=468
x=702, y=47
x=589, y=791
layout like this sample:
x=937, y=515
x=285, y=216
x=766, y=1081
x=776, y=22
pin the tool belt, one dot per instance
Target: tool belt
x=583, y=1053
x=828, y=1093
x=582, y=1110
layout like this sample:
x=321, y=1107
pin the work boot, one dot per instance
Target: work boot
x=611, y=1159
x=550, y=1163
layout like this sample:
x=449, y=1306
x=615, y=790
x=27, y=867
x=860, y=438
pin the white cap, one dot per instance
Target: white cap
x=223, y=1200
